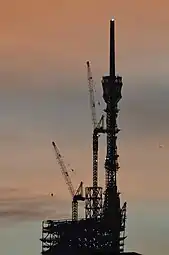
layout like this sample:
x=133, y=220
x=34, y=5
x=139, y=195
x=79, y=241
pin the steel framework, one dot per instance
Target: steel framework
x=103, y=228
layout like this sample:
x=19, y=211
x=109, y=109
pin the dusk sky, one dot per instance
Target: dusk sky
x=44, y=46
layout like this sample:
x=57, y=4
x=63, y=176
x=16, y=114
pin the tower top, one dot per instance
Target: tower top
x=112, y=49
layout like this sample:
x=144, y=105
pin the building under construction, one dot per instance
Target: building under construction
x=103, y=228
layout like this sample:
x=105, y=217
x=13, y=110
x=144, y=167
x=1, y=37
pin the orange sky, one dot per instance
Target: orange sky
x=45, y=44
x=40, y=38
x=60, y=32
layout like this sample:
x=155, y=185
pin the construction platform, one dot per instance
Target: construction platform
x=80, y=237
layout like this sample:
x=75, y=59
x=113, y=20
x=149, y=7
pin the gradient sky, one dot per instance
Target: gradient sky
x=44, y=96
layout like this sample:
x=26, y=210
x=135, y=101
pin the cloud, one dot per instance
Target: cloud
x=144, y=108
x=143, y=113
x=22, y=205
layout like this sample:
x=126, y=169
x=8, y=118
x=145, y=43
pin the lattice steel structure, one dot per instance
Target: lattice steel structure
x=84, y=236
x=103, y=228
x=94, y=194
x=93, y=202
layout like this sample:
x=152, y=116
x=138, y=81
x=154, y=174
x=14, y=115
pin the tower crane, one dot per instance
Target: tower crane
x=76, y=195
x=98, y=127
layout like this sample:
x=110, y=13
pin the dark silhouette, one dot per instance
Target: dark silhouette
x=103, y=229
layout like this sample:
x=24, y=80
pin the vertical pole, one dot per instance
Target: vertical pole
x=112, y=48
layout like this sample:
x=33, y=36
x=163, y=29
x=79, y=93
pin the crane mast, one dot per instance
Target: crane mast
x=76, y=195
